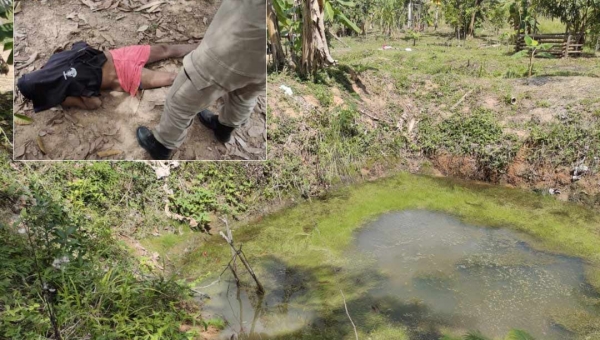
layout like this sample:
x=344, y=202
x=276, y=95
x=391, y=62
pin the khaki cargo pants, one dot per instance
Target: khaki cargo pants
x=199, y=84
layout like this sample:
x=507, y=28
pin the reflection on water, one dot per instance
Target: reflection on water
x=475, y=278
x=251, y=316
x=423, y=270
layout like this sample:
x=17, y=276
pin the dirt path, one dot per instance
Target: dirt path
x=46, y=26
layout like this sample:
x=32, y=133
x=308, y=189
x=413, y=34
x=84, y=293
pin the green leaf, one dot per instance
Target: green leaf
x=535, y=43
x=517, y=334
x=545, y=46
x=278, y=6
x=24, y=118
x=520, y=54
x=528, y=40
x=344, y=20
x=329, y=13
x=6, y=31
x=346, y=3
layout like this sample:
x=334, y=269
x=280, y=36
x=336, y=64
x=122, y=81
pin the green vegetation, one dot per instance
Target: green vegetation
x=534, y=48
x=65, y=277
x=477, y=135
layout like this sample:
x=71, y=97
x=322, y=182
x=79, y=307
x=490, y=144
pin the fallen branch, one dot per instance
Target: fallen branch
x=461, y=100
x=340, y=40
x=348, y=313
x=239, y=253
x=377, y=119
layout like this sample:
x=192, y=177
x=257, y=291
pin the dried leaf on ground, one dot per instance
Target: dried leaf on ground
x=142, y=28
x=149, y=5
x=81, y=151
x=255, y=131
x=108, y=153
x=40, y=144
x=112, y=133
x=108, y=38
x=29, y=61
x=19, y=151
x=22, y=119
x=105, y=5
x=90, y=4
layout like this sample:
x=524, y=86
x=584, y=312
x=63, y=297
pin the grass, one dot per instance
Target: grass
x=315, y=236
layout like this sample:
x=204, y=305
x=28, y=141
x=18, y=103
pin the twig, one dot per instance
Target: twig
x=377, y=119
x=348, y=313
x=238, y=252
x=338, y=39
x=461, y=100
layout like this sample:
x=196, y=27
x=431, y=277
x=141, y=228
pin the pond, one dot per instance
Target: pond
x=415, y=257
x=426, y=271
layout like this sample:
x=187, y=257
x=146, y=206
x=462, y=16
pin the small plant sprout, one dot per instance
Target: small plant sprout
x=414, y=36
x=534, y=48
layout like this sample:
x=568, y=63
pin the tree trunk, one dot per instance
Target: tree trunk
x=274, y=38
x=437, y=15
x=315, y=53
x=473, y=17
x=410, y=15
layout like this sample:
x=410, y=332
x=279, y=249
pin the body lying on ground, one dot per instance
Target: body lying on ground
x=74, y=78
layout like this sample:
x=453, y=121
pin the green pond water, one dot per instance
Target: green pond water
x=416, y=258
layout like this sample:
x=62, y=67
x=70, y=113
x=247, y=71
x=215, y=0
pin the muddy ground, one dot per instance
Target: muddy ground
x=43, y=27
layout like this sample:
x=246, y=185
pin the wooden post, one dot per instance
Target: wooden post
x=567, y=46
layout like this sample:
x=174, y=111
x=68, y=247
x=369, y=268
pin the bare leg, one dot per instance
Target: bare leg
x=153, y=79
x=160, y=52
x=86, y=103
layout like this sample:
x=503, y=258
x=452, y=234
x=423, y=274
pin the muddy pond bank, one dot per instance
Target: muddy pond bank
x=313, y=248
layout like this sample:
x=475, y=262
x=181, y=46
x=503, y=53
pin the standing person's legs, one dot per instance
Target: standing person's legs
x=182, y=103
x=239, y=104
x=237, y=108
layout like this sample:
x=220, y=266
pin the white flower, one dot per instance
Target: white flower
x=21, y=231
x=56, y=263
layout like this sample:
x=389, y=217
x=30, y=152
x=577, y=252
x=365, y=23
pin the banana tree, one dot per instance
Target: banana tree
x=303, y=23
x=389, y=14
x=334, y=12
x=534, y=48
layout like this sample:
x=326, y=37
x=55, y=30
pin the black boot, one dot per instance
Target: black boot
x=211, y=121
x=149, y=143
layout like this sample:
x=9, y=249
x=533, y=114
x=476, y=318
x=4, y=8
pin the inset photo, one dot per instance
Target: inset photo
x=140, y=79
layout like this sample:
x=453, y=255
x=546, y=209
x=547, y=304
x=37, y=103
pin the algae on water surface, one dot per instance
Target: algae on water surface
x=314, y=237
